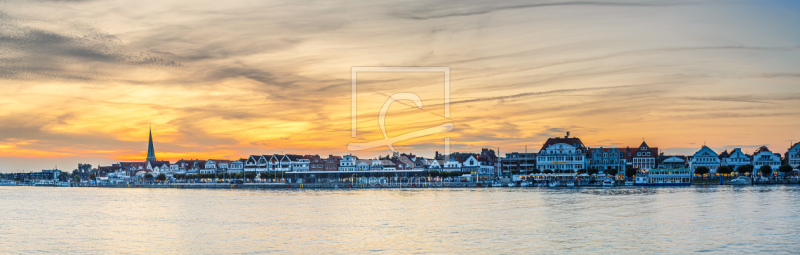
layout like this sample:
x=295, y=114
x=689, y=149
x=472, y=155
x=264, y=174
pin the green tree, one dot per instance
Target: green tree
x=745, y=169
x=548, y=171
x=63, y=176
x=785, y=169
x=92, y=176
x=726, y=170
x=630, y=172
x=536, y=171
x=161, y=177
x=766, y=170
x=701, y=170
x=612, y=171
x=148, y=176
x=77, y=178
x=593, y=171
x=433, y=173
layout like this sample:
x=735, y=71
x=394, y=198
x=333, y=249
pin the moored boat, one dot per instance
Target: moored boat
x=741, y=180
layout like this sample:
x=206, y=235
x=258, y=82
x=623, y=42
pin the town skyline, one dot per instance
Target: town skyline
x=83, y=80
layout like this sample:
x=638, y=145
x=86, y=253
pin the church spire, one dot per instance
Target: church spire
x=151, y=152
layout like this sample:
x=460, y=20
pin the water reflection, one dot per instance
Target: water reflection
x=720, y=219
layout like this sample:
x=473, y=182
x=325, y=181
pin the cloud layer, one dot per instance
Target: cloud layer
x=83, y=80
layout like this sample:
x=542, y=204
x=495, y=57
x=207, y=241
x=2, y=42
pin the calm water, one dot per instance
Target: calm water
x=620, y=220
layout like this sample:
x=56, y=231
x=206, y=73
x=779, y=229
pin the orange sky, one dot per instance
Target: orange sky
x=83, y=80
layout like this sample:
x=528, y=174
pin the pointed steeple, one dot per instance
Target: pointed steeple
x=151, y=152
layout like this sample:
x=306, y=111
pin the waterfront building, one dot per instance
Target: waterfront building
x=377, y=165
x=420, y=163
x=299, y=163
x=518, y=162
x=237, y=166
x=348, y=163
x=705, y=157
x=604, y=159
x=388, y=165
x=160, y=167
x=451, y=164
x=562, y=155
x=792, y=155
x=404, y=162
x=642, y=157
x=672, y=162
x=434, y=164
x=764, y=157
x=279, y=163
x=191, y=166
x=332, y=163
x=255, y=163
x=469, y=163
x=735, y=158
x=315, y=163
x=363, y=164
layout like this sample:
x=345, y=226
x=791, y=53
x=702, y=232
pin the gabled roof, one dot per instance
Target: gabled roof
x=574, y=141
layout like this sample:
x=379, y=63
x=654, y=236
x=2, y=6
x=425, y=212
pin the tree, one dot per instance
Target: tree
x=582, y=171
x=612, y=171
x=161, y=177
x=536, y=171
x=630, y=172
x=77, y=178
x=548, y=171
x=148, y=176
x=766, y=170
x=592, y=171
x=701, y=170
x=785, y=169
x=726, y=170
x=92, y=176
x=63, y=176
x=745, y=169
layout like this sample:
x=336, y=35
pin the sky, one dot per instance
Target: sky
x=83, y=81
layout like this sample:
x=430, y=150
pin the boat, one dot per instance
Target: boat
x=628, y=183
x=511, y=184
x=525, y=184
x=8, y=183
x=554, y=184
x=608, y=182
x=741, y=180
x=44, y=183
x=497, y=184
x=571, y=183
x=664, y=177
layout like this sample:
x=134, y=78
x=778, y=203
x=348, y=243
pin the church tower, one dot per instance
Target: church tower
x=151, y=152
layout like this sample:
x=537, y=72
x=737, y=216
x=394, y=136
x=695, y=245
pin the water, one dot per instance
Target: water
x=518, y=220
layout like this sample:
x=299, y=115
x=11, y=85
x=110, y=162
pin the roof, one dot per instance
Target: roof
x=574, y=141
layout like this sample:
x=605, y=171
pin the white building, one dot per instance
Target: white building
x=237, y=166
x=735, y=159
x=793, y=155
x=562, y=155
x=348, y=163
x=363, y=165
x=299, y=163
x=705, y=157
x=764, y=157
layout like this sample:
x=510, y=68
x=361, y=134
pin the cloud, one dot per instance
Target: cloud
x=446, y=10
x=73, y=53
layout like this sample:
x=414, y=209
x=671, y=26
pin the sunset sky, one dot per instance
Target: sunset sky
x=83, y=80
